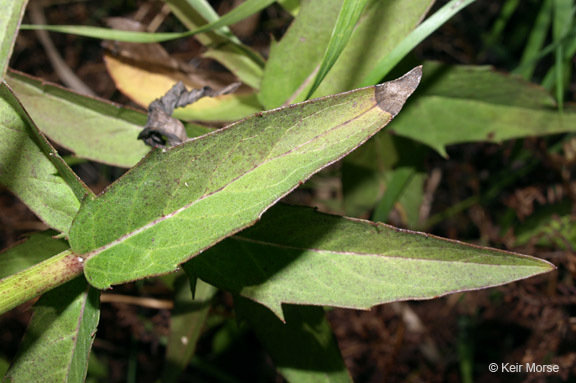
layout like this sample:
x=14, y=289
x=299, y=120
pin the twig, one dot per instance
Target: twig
x=162, y=129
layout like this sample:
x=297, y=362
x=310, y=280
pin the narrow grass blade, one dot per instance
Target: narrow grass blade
x=347, y=20
x=237, y=14
x=562, y=22
x=58, y=340
x=425, y=29
x=180, y=201
x=398, y=181
x=299, y=256
x=10, y=17
x=536, y=41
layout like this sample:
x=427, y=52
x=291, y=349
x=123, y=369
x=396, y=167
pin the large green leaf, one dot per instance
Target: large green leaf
x=92, y=128
x=37, y=248
x=57, y=342
x=468, y=103
x=180, y=201
x=32, y=169
x=300, y=256
x=10, y=17
x=303, y=349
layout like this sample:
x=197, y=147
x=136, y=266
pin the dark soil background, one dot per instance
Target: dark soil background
x=429, y=341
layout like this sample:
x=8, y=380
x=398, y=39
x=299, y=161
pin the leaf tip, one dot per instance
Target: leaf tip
x=392, y=95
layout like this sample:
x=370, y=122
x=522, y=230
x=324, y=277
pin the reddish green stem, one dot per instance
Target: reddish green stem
x=36, y=280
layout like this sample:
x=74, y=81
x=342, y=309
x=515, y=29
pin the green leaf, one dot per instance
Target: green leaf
x=12, y=11
x=239, y=13
x=536, y=41
x=299, y=256
x=92, y=128
x=466, y=104
x=303, y=349
x=30, y=167
x=386, y=63
x=347, y=20
x=180, y=201
x=187, y=321
x=34, y=249
x=57, y=342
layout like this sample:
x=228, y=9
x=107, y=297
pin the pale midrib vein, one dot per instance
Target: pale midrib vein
x=315, y=250
x=187, y=206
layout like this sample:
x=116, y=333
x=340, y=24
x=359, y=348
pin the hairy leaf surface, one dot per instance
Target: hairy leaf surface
x=299, y=256
x=180, y=201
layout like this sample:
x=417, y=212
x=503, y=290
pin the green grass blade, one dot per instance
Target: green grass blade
x=237, y=14
x=10, y=17
x=562, y=22
x=399, y=179
x=347, y=20
x=536, y=41
x=177, y=202
x=425, y=29
x=58, y=340
x=506, y=12
x=300, y=256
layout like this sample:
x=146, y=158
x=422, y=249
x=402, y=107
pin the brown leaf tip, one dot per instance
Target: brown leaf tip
x=392, y=95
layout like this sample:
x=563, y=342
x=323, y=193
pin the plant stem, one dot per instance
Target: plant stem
x=27, y=284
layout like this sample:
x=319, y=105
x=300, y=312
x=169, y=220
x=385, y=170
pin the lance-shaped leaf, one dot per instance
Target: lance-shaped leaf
x=180, y=201
x=57, y=342
x=300, y=256
x=31, y=168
